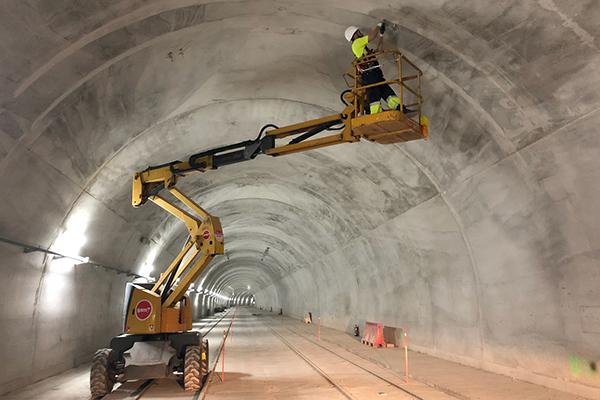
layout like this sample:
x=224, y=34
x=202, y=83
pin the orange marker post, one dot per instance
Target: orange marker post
x=223, y=357
x=231, y=327
x=319, y=328
x=405, y=345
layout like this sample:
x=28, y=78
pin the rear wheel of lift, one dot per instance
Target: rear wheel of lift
x=204, y=358
x=192, y=378
x=102, y=375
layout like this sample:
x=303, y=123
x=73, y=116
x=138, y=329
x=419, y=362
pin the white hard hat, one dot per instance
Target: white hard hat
x=350, y=31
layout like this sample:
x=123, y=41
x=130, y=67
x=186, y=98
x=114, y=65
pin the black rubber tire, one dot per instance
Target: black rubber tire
x=102, y=376
x=192, y=377
x=204, y=358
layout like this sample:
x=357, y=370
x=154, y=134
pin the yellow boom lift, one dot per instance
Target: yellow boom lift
x=160, y=313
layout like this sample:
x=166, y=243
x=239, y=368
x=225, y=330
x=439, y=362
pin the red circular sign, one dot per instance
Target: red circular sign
x=143, y=309
x=206, y=235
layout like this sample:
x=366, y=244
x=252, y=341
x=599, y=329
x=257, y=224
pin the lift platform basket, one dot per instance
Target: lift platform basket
x=388, y=127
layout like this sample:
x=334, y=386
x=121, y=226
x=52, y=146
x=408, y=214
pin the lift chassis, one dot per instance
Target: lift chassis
x=160, y=314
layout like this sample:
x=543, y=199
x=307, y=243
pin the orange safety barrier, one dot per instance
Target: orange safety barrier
x=373, y=334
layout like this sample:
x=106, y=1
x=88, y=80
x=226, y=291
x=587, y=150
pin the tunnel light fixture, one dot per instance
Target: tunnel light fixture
x=146, y=270
x=148, y=265
x=76, y=260
x=64, y=256
x=218, y=295
x=222, y=297
x=69, y=243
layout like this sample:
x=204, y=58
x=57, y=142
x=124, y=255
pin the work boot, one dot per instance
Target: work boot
x=405, y=110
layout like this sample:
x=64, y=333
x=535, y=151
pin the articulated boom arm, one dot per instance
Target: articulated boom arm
x=206, y=236
x=204, y=242
x=205, y=232
x=151, y=181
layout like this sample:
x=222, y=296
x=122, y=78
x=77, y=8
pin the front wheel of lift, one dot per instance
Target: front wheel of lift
x=204, y=358
x=102, y=376
x=192, y=378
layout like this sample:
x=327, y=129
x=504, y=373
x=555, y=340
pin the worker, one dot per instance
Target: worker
x=371, y=72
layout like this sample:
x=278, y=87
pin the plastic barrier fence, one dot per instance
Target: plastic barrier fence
x=394, y=337
x=373, y=334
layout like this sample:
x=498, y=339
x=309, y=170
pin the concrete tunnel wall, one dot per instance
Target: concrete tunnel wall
x=483, y=241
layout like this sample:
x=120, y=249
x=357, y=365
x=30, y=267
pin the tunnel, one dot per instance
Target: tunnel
x=482, y=242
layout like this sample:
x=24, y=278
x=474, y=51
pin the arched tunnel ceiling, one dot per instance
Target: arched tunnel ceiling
x=505, y=189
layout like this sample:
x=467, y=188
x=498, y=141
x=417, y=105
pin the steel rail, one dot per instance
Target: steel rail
x=314, y=366
x=373, y=373
x=210, y=376
x=139, y=392
x=408, y=392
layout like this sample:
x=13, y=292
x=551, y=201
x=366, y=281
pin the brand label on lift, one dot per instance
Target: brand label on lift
x=206, y=235
x=143, y=310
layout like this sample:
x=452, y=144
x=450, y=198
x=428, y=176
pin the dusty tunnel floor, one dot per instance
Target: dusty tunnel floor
x=268, y=356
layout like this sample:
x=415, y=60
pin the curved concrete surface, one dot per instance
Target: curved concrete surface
x=484, y=242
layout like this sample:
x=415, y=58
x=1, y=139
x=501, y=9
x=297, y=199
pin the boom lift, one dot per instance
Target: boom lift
x=160, y=313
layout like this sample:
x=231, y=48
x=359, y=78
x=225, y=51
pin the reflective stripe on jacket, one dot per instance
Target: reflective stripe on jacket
x=360, y=49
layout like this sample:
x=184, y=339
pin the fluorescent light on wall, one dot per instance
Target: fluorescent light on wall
x=70, y=242
x=148, y=265
x=146, y=270
x=220, y=296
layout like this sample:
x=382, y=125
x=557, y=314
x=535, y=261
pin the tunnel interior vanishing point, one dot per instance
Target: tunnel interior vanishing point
x=484, y=241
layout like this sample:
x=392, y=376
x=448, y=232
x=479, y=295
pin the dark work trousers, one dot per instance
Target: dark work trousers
x=376, y=93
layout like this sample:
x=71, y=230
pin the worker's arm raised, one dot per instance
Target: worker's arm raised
x=376, y=32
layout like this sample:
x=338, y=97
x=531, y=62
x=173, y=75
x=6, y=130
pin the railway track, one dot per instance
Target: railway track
x=331, y=380
x=138, y=391
x=213, y=324
x=314, y=366
x=210, y=377
x=378, y=376
x=401, y=390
